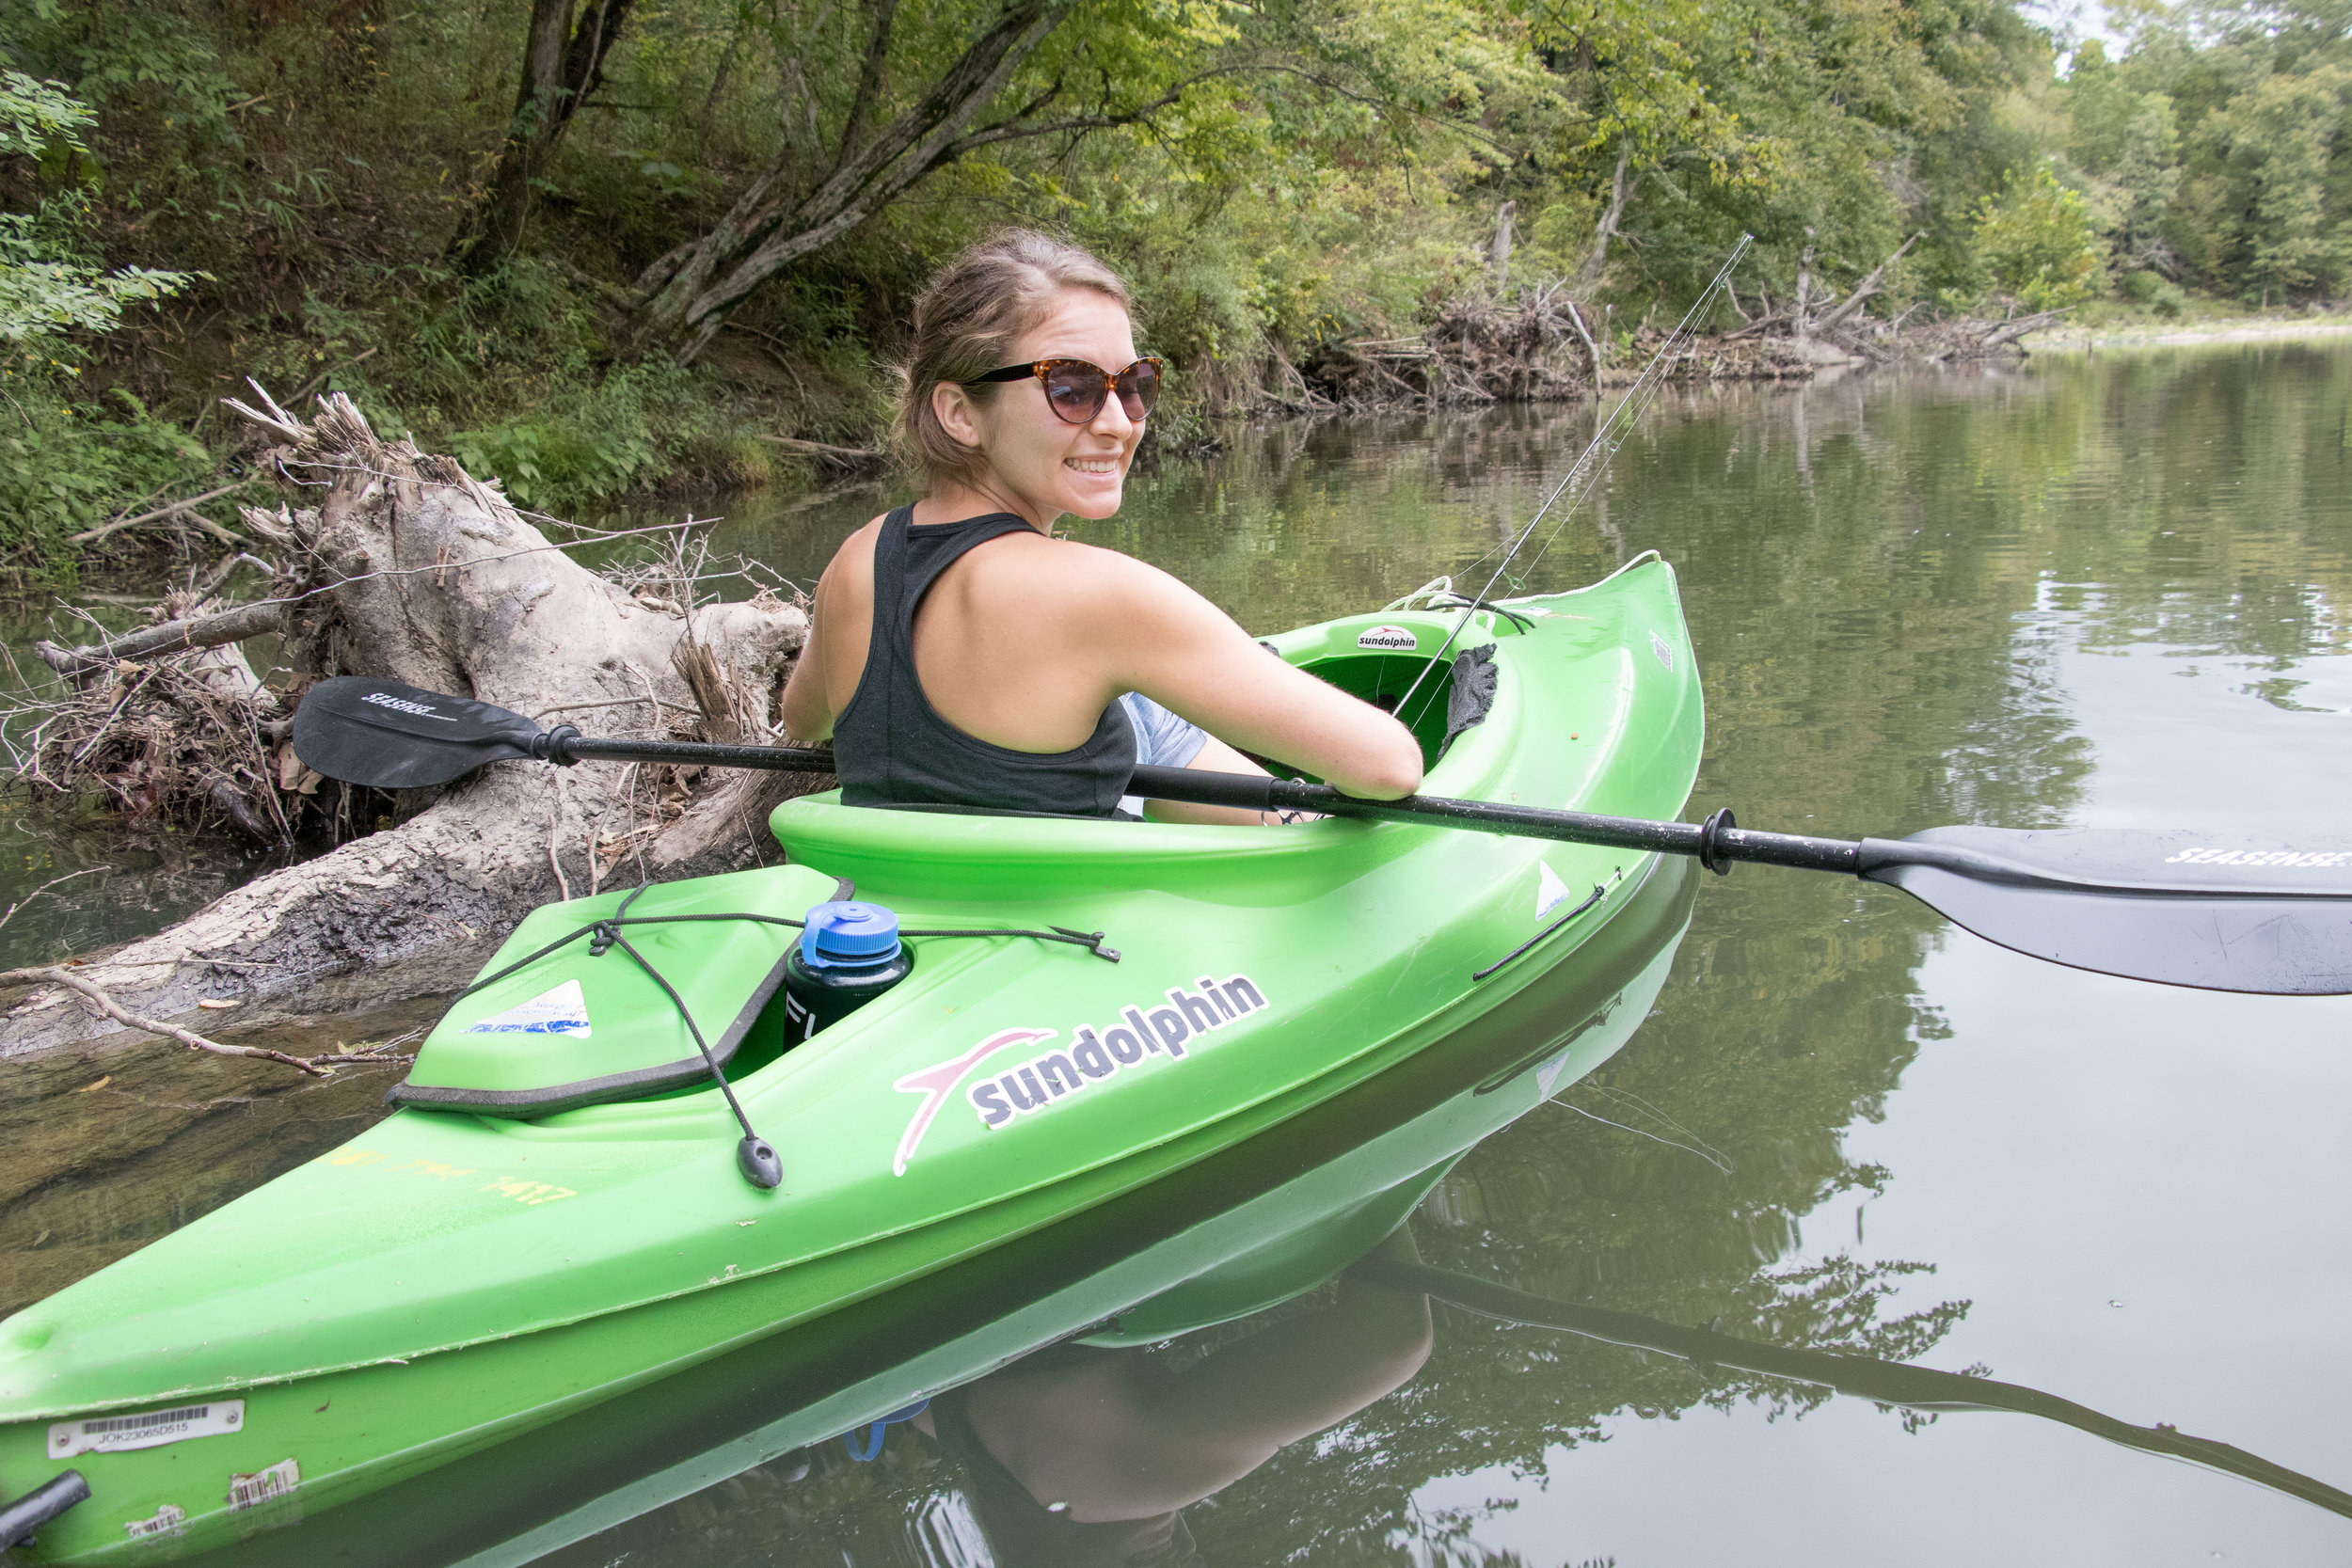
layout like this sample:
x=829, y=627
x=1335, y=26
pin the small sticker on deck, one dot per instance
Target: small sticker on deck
x=560, y=1012
x=1665, y=653
x=144, y=1429
x=170, y=1519
x=1391, y=639
x=1551, y=892
x=252, y=1491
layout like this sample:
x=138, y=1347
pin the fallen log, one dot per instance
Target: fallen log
x=1838, y=314
x=2011, y=331
x=417, y=570
x=844, y=457
x=172, y=637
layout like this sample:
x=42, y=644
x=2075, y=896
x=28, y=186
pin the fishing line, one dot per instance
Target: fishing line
x=1579, y=481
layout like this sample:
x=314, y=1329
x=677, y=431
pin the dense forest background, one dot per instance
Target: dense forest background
x=597, y=247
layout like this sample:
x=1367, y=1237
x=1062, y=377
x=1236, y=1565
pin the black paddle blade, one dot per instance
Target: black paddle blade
x=364, y=730
x=2218, y=912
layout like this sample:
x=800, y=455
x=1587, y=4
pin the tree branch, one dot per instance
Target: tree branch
x=1605, y=231
x=59, y=975
x=1869, y=286
x=870, y=79
x=910, y=147
x=1013, y=130
x=91, y=535
x=172, y=637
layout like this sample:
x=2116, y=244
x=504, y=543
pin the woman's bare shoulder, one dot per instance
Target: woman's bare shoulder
x=854, y=559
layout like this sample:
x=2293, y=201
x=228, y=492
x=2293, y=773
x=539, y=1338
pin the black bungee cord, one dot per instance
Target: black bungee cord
x=754, y=1156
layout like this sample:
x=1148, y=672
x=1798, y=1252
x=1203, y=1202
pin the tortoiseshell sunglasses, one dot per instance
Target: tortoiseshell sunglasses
x=1076, y=389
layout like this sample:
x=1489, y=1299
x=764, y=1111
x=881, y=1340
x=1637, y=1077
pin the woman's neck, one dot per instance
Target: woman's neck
x=952, y=502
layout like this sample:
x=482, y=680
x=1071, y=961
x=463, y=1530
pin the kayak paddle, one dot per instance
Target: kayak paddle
x=2217, y=911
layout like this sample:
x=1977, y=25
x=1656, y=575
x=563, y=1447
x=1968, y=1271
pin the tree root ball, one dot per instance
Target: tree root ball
x=400, y=563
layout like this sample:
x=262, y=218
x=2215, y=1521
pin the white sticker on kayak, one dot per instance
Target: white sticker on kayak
x=560, y=1012
x=1391, y=639
x=1665, y=654
x=1551, y=892
x=252, y=1491
x=170, y=1519
x=1138, y=1033
x=145, y=1428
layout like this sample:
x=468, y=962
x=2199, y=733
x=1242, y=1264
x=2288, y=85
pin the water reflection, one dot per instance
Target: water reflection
x=1079, y=1455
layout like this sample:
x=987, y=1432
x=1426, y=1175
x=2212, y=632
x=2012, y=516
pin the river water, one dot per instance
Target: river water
x=2102, y=592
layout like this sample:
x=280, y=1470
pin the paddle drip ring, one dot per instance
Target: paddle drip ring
x=1711, y=841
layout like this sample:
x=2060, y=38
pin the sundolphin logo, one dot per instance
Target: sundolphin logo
x=935, y=1084
x=422, y=711
x=2300, y=859
x=1395, y=638
x=1141, y=1032
x=1039, y=1082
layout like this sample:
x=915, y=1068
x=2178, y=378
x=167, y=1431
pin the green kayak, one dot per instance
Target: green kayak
x=554, y=1217
x=1250, y=1226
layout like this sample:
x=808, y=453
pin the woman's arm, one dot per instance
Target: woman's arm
x=807, y=715
x=840, y=609
x=1164, y=639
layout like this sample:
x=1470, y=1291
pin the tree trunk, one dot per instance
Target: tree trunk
x=422, y=573
x=780, y=218
x=564, y=62
x=1799, y=327
x=1589, y=274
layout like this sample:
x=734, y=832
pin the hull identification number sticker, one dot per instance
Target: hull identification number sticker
x=146, y=1429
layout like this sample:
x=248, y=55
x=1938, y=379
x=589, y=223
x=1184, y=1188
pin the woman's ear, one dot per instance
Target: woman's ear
x=953, y=407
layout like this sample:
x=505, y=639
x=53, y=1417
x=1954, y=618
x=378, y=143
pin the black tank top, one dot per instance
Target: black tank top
x=892, y=748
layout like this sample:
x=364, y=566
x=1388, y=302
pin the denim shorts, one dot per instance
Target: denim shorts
x=1162, y=739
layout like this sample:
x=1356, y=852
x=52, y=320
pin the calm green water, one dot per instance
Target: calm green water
x=2106, y=593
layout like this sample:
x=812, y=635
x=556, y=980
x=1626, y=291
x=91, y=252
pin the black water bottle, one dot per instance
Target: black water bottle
x=849, y=954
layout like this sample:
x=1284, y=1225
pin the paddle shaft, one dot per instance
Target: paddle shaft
x=1714, y=842
x=2228, y=912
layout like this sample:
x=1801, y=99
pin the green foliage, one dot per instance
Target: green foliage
x=2037, y=243
x=67, y=464
x=1319, y=171
x=589, y=441
x=47, y=286
x=2155, y=292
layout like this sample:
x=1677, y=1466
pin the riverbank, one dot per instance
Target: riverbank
x=2218, y=329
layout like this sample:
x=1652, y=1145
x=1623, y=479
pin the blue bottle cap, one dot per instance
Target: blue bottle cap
x=849, y=936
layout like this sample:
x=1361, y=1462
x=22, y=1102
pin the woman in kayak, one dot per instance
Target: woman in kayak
x=962, y=654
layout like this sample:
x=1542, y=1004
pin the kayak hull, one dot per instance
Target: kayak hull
x=449, y=1283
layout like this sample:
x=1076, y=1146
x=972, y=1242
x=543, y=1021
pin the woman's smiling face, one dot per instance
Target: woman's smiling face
x=1041, y=466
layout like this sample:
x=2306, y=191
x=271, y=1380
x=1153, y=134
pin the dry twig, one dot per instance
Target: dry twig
x=96, y=995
